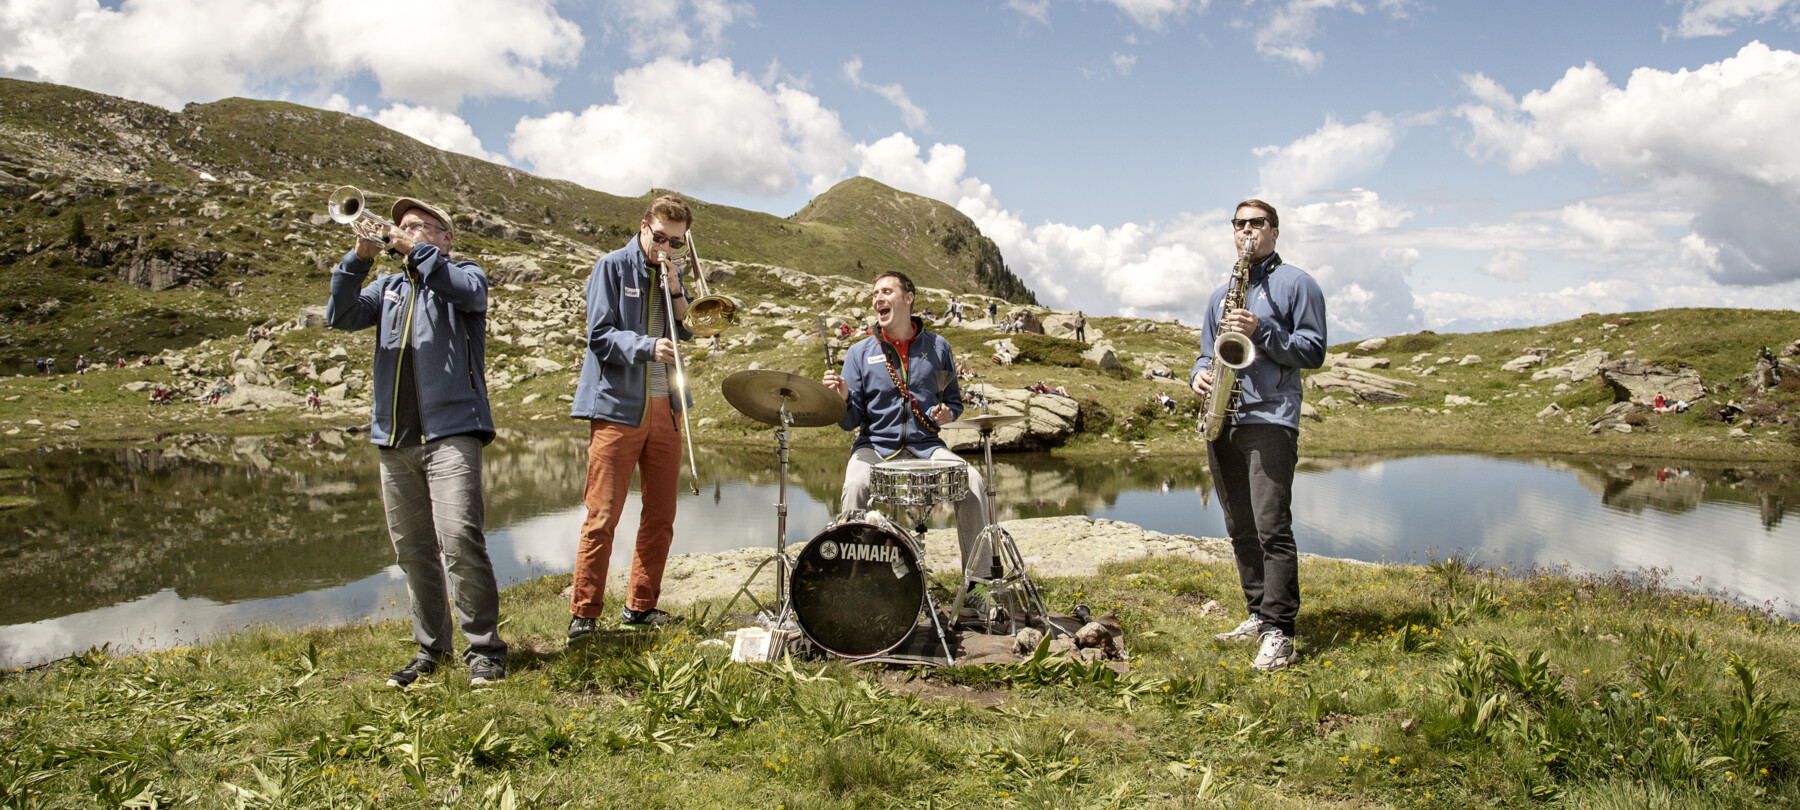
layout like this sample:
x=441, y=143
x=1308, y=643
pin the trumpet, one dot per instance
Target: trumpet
x=346, y=207
x=709, y=314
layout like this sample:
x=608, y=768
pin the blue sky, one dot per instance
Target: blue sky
x=1442, y=166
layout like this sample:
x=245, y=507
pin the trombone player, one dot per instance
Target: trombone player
x=625, y=394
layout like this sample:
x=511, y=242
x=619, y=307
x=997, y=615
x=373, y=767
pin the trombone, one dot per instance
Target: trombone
x=706, y=316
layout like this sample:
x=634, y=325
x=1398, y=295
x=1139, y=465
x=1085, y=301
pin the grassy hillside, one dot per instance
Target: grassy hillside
x=130, y=229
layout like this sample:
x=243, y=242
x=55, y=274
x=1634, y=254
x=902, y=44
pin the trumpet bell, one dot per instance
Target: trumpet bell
x=345, y=205
x=709, y=315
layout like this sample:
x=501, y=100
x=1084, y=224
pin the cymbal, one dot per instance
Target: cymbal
x=759, y=394
x=986, y=421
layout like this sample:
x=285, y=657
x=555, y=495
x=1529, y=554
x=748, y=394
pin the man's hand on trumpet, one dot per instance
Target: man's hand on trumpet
x=371, y=238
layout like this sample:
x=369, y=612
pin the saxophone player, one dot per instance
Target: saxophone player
x=1282, y=311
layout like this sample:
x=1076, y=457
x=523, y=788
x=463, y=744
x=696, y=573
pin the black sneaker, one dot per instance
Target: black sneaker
x=580, y=628
x=648, y=618
x=419, y=667
x=485, y=671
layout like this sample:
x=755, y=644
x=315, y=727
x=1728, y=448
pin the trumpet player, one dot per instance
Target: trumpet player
x=1253, y=458
x=430, y=420
x=625, y=394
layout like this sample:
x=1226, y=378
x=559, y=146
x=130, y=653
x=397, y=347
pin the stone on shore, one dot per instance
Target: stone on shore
x=1066, y=546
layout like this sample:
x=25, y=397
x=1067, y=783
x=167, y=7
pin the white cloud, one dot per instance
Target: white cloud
x=1035, y=9
x=169, y=52
x=1151, y=13
x=1330, y=155
x=1711, y=141
x=894, y=93
x=1709, y=18
x=1123, y=63
x=443, y=130
x=1287, y=33
x=675, y=29
x=1507, y=265
x=728, y=133
x=1603, y=233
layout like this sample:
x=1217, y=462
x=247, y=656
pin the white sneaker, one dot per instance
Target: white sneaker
x=1251, y=628
x=1277, y=651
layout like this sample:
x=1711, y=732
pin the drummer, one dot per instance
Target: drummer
x=900, y=422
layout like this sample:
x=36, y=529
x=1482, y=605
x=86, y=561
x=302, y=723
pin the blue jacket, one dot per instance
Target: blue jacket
x=615, y=374
x=1290, y=336
x=875, y=404
x=443, y=319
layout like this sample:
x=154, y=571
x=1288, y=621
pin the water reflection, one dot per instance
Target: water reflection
x=169, y=545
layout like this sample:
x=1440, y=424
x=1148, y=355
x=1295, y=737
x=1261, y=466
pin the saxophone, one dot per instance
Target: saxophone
x=1231, y=351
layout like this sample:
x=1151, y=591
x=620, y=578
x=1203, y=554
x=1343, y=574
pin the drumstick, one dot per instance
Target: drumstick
x=825, y=340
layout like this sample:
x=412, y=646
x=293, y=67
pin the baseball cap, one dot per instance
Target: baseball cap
x=404, y=203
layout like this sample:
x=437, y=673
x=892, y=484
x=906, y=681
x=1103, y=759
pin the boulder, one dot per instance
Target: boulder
x=514, y=269
x=1577, y=370
x=1458, y=399
x=1364, y=363
x=542, y=365
x=260, y=396
x=1634, y=380
x=1102, y=355
x=1372, y=345
x=1062, y=325
x=1522, y=362
x=310, y=318
x=1366, y=386
x=1469, y=360
x=1552, y=409
x=1051, y=418
x=1623, y=417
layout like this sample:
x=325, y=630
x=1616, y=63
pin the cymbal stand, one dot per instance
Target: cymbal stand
x=1010, y=574
x=783, y=563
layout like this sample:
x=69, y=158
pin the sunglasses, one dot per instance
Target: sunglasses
x=1258, y=223
x=674, y=243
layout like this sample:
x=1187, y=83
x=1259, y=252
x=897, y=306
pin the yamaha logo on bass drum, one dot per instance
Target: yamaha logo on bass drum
x=859, y=551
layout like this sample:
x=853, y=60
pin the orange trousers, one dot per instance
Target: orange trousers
x=613, y=450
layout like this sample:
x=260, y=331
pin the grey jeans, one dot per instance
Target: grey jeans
x=435, y=513
x=1253, y=473
x=971, y=511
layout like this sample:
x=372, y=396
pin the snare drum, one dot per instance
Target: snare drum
x=918, y=482
x=857, y=588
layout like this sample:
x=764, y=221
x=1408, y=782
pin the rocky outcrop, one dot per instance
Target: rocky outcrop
x=1577, y=370
x=1062, y=325
x=1623, y=417
x=1634, y=380
x=184, y=267
x=1368, y=387
x=1052, y=418
x=1372, y=345
x=1365, y=363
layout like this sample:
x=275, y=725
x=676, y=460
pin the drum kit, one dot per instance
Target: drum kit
x=856, y=589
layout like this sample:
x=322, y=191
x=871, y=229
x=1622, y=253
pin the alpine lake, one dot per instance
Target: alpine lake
x=167, y=546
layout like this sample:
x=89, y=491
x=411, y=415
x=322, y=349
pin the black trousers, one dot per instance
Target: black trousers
x=1253, y=473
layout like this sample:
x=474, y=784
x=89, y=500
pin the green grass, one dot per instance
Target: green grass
x=1440, y=686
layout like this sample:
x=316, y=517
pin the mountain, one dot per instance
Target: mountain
x=131, y=228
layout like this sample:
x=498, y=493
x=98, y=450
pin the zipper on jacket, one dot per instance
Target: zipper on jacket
x=469, y=359
x=412, y=292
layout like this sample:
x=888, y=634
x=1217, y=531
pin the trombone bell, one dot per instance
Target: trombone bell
x=709, y=314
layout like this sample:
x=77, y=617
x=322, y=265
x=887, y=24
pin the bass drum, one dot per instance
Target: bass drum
x=857, y=589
